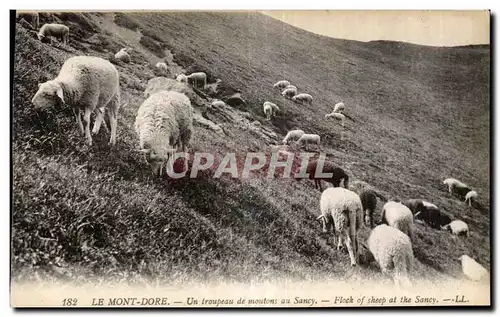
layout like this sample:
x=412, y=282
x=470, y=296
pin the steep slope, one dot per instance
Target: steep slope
x=420, y=114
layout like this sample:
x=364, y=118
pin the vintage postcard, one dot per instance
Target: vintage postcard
x=250, y=159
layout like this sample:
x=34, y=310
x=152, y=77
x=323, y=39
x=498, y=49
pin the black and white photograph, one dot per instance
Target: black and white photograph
x=271, y=159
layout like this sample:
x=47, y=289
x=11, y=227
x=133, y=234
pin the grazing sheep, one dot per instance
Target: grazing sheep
x=415, y=205
x=270, y=109
x=289, y=92
x=162, y=66
x=473, y=270
x=309, y=138
x=399, y=216
x=434, y=217
x=31, y=17
x=457, y=186
x=358, y=186
x=50, y=30
x=196, y=78
x=123, y=55
x=457, y=227
x=369, y=202
x=339, y=107
x=292, y=136
x=338, y=116
x=181, y=78
x=85, y=83
x=339, y=175
x=392, y=249
x=342, y=210
x=470, y=195
x=281, y=84
x=164, y=122
x=303, y=98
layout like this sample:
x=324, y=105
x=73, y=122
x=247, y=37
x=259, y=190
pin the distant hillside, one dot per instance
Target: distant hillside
x=419, y=115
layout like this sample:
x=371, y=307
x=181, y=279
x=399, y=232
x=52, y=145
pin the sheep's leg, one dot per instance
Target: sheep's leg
x=78, y=118
x=339, y=242
x=86, y=118
x=98, y=121
x=350, y=246
x=113, y=124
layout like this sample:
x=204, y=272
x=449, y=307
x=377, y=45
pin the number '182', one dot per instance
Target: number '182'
x=69, y=302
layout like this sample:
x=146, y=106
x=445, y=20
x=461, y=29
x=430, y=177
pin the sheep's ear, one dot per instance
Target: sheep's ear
x=60, y=93
x=320, y=216
x=145, y=151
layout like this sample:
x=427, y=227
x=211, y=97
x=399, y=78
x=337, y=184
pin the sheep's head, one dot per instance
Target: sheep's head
x=446, y=228
x=48, y=95
x=326, y=226
x=157, y=158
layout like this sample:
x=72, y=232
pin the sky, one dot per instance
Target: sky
x=436, y=28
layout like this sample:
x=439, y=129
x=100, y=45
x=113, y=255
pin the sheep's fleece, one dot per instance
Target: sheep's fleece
x=392, y=250
x=164, y=123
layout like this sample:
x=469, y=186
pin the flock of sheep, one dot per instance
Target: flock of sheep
x=164, y=124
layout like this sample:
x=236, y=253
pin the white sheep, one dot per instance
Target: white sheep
x=470, y=195
x=392, y=249
x=162, y=66
x=342, y=210
x=164, y=123
x=281, y=84
x=473, y=270
x=289, y=92
x=50, y=30
x=457, y=227
x=85, y=83
x=292, y=135
x=309, y=139
x=291, y=87
x=33, y=16
x=339, y=107
x=456, y=185
x=270, y=109
x=338, y=116
x=303, y=98
x=123, y=55
x=181, y=78
x=196, y=78
x=397, y=215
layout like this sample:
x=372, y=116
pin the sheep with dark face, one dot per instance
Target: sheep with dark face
x=415, y=205
x=434, y=217
x=369, y=201
x=339, y=176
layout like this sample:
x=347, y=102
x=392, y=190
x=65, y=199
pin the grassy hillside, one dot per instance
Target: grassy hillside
x=419, y=115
